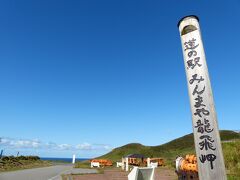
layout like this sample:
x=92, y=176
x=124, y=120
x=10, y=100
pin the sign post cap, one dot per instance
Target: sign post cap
x=185, y=17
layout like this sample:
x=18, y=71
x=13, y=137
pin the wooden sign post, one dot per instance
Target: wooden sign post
x=205, y=128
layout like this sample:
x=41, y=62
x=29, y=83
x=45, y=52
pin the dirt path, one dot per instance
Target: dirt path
x=44, y=173
x=117, y=174
x=165, y=173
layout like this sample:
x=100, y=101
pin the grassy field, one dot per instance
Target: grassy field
x=180, y=147
x=231, y=151
x=10, y=163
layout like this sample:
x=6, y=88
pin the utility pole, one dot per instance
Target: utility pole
x=204, y=119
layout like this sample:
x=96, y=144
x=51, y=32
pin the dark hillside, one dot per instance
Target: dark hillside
x=170, y=150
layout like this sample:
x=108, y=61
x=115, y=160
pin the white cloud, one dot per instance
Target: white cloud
x=64, y=147
x=84, y=146
x=19, y=143
x=51, y=145
x=107, y=147
x=36, y=144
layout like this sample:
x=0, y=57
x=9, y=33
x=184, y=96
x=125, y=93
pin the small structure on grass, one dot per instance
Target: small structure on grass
x=100, y=163
x=140, y=160
x=132, y=159
x=119, y=164
x=154, y=162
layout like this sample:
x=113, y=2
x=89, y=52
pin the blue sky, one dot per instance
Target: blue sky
x=87, y=76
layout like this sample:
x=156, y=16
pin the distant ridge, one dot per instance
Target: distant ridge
x=237, y=131
x=170, y=150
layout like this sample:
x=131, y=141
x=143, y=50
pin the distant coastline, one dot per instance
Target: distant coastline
x=66, y=160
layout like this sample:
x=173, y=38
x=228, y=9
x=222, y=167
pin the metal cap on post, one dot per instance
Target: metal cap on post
x=188, y=24
x=204, y=120
x=187, y=17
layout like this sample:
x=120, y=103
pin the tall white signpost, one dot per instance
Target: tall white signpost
x=123, y=161
x=73, y=159
x=205, y=127
x=127, y=167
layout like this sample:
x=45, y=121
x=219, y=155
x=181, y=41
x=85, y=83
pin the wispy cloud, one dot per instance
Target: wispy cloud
x=84, y=146
x=37, y=144
x=9, y=142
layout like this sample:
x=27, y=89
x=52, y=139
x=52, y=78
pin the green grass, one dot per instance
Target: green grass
x=11, y=163
x=231, y=151
x=233, y=177
x=83, y=164
x=180, y=147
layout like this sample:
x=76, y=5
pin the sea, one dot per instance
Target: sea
x=63, y=160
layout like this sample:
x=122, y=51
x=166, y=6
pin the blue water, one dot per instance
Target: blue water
x=67, y=160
